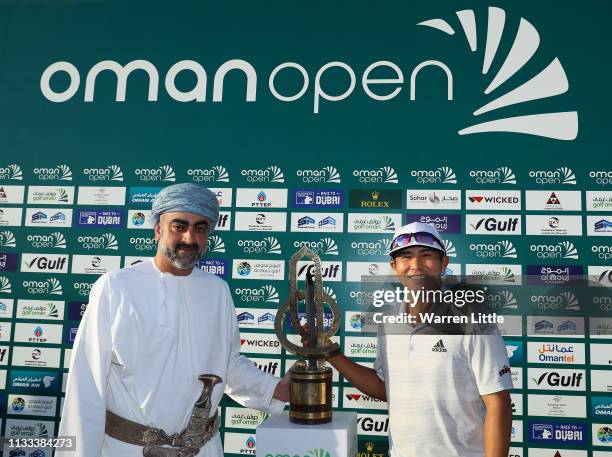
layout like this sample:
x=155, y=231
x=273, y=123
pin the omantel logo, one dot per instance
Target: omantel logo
x=548, y=82
x=163, y=173
x=442, y=175
x=218, y=173
x=7, y=239
x=61, y=172
x=110, y=173
x=327, y=174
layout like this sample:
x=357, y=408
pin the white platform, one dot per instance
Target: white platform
x=278, y=436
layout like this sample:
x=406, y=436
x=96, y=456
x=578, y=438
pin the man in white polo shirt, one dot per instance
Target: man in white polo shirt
x=447, y=390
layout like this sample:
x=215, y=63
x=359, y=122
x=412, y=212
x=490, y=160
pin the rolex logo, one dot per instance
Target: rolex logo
x=375, y=195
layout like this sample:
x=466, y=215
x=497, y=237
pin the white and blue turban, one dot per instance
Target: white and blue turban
x=187, y=197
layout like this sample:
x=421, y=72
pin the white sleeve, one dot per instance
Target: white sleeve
x=246, y=383
x=380, y=353
x=488, y=359
x=84, y=412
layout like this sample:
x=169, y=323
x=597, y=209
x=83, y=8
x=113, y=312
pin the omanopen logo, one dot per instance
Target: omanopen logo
x=325, y=246
x=218, y=173
x=7, y=239
x=562, y=175
x=61, y=172
x=110, y=173
x=163, y=173
x=548, y=82
x=12, y=172
x=501, y=249
x=449, y=248
x=215, y=244
x=442, y=175
x=501, y=175
x=561, y=250
x=502, y=299
x=5, y=285
x=380, y=175
x=268, y=174
x=327, y=174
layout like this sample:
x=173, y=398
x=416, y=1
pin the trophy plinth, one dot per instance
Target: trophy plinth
x=311, y=381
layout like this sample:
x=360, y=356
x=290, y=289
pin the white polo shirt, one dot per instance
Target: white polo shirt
x=434, y=383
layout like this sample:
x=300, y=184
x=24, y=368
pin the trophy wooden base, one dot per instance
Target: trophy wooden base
x=311, y=395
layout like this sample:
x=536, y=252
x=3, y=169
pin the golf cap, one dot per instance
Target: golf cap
x=416, y=234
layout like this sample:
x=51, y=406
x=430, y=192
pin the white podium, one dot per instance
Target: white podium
x=279, y=437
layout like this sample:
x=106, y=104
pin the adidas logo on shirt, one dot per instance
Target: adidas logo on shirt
x=438, y=347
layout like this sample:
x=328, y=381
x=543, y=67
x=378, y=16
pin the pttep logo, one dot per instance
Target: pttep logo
x=548, y=82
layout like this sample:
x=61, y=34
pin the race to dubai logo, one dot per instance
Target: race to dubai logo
x=218, y=173
x=548, y=82
x=11, y=172
x=327, y=174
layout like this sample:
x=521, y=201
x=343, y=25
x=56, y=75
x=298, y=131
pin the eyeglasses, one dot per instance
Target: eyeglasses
x=420, y=237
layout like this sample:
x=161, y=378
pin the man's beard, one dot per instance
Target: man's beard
x=183, y=261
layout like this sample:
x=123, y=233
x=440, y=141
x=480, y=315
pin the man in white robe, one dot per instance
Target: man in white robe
x=151, y=329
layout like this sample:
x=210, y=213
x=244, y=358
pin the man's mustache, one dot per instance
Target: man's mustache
x=186, y=246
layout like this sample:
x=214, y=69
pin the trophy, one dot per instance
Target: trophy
x=311, y=381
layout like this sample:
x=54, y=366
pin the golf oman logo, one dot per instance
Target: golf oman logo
x=442, y=175
x=327, y=174
x=12, y=172
x=7, y=239
x=218, y=173
x=501, y=175
x=5, y=285
x=449, y=248
x=548, y=82
x=268, y=174
x=385, y=175
x=216, y=244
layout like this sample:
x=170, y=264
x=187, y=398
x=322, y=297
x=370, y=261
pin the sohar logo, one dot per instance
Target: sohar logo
x=5, y=285
x=107, y=241
x=263, y=294
x=51, y=286
x=562, y=250
x=110, y=173
x=61, y=173
x=383, y=175
x=269, y=174
x=218, y=173
x=501, y=175
x=603, y=178
x=549, y=82
x=12, y=172
x=501, y=249
x=562, y=175
x=7, y=239
x=442, y=175
x=215, y=244
x=55, y=240
x=327, y=174
x=163, y=173
x=325, y=246
x=269, y=245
